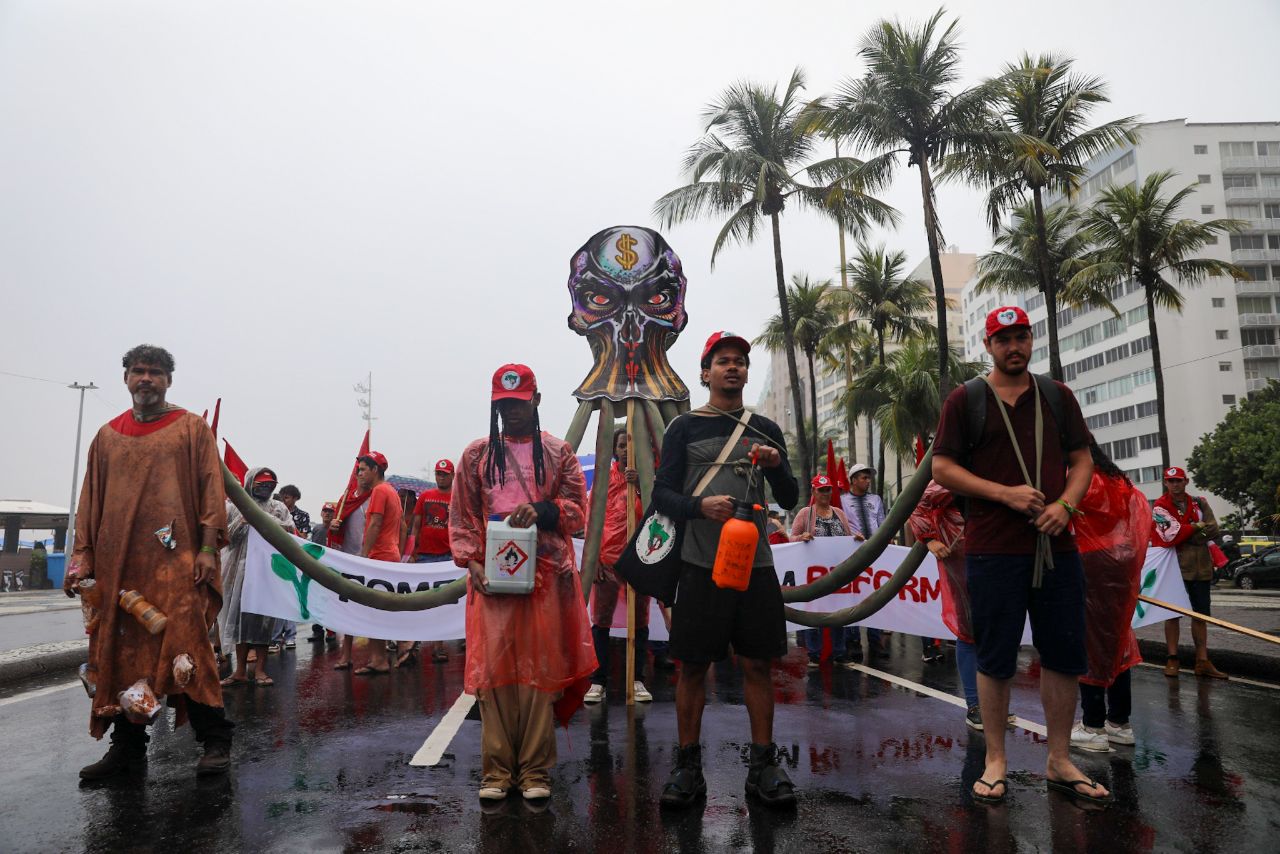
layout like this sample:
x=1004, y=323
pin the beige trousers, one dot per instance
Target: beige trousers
x=517, y=737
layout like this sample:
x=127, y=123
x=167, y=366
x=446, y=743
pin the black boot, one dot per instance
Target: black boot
x=216, y=759
x=686, y=783
x=127, y=754
x=767, y=780
x=213, y=730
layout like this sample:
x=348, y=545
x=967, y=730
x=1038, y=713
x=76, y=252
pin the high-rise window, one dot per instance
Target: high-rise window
x=1269, y=148
x=1247, y=241
x=1238, y=181
x=1200, y=149
x=1251, y=337
x=1253, y=305
x=1235, y=149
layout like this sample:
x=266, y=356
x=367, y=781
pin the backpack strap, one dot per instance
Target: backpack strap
x=1052, y=395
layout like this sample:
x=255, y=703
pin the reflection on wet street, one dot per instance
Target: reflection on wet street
x=322, y=764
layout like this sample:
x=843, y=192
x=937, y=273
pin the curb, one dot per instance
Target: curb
x=1233, y=663
x=42, y=659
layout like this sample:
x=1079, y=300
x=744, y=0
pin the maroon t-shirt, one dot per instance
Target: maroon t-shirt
x=991, y=527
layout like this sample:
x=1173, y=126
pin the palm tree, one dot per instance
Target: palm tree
x=1139, y=236
x=1038, y=140
x=891, y=305
x=812, y=317
x=748, y=165
x=1013, y=265
x=902, y=393
x=852, y=347
x=903, y=105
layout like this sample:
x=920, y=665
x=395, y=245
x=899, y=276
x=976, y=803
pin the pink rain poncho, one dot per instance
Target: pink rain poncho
x=541, y=639
x=937, y=517
x=1112, y=534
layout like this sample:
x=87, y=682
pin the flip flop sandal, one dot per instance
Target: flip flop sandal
x=406, y=658
x=991, y=787
x=230, y=681
x=1070, y=790
x=264, y=682
x=370, y=671
x=343, y=666
x=439, y=657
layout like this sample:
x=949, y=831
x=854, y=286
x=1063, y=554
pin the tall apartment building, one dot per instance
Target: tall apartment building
x=775, y=397
x=1224, y=343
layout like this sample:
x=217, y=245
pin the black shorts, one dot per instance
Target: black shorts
x=1000, y=600
x=707, y=619
x=1198, y=593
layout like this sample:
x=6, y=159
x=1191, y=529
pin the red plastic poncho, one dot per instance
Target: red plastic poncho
x=541, y=639
x=936, y=517
x=609, y=593
x=1112, y=535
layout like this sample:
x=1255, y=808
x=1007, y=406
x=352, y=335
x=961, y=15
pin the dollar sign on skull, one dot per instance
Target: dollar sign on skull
x=628, y=258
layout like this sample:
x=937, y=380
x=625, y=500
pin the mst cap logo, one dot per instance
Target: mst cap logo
x=658, y=541
x=1007, y=316
x=510, y=380
x=1174, y=473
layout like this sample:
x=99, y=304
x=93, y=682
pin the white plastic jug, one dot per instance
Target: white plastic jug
x=510, y=556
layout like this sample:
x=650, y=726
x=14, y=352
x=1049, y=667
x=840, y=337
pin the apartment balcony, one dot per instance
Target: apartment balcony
x=1255, y=255
x=1246, y=164
x=1258, y=384
x=1253, y=321
x=1261, y=287
x=1248, y=194
x=1261, y=351
x=1262, y=224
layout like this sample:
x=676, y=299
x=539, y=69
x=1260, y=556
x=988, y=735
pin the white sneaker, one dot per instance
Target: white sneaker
x=492, y=793
x=594, y=694
x=1088, y=738
x=534, y=793
x=643, y=695
x=1119, y=733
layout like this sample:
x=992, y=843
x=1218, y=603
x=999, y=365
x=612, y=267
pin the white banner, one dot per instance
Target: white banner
x=1161, y=579
x=273, y=586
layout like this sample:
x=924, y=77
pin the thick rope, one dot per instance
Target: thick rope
x=873, y=603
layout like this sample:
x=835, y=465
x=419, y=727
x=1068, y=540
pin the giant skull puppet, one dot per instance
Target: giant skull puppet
x=628, y=301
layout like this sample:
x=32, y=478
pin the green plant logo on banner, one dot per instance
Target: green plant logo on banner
x=281, y=566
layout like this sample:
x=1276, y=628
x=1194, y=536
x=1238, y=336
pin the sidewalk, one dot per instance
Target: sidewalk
x=41, y=632
x=1233, y=653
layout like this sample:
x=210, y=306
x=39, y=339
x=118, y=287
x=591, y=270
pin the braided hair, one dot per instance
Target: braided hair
x=496, y=458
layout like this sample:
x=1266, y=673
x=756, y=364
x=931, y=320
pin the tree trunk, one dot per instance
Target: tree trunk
x=1156, y=365
x=871, y=449
x=850, y=416
x=813, y=406
x=793, y=374
x=879, y=463
x=1048, y=286
x=935, y=265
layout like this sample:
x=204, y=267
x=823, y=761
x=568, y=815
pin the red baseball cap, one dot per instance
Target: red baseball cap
x=1175, y=473
x=265, y=476
x=720, y=338
x=378, y=459
x=514, y=381
x=329, y=505
x=445, y=466
x=1006, y=317
x=820, y=481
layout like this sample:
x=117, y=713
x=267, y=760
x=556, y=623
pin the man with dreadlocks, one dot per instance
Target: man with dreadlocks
x=523, y=651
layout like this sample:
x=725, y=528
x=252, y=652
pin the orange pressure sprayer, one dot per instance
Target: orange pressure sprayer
x=737, y=551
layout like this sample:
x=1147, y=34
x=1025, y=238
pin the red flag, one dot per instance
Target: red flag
x=234, y=463
x=217, y=410
x=842, y=477
x=920, y=450
x=350, y=500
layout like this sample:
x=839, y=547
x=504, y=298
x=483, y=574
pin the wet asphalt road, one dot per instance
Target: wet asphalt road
x=322, y=764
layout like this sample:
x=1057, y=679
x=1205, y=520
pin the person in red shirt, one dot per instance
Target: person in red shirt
x=382, y=517
x=429, y=532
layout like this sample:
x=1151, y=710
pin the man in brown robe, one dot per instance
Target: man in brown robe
x=151, y=519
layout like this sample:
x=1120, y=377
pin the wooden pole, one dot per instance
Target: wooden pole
x=631, y=529
x=599, y=499
x=1244, y=630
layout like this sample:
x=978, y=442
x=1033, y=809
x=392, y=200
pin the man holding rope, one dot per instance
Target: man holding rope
x=1024, y=471
x=723, y=440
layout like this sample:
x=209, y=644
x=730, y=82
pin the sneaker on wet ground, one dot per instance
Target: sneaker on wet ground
x=642, y=693
x=534, y=793
x=1119, y=733
x=492, y=793
x=1089, y=738
x=813, y=661
x=973, y=718
x=595, y=694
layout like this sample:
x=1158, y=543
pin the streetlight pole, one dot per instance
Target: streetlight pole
x=75, y=471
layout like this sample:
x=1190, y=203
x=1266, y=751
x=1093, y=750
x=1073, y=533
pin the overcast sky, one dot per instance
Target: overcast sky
x=290, y=195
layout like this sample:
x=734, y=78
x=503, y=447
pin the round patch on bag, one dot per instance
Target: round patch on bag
x=658, y=539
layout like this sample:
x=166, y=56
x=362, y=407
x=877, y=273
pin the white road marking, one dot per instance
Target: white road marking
x=434, y=747
x=1239, y=679
x=1029, y=726
x=39, y=692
